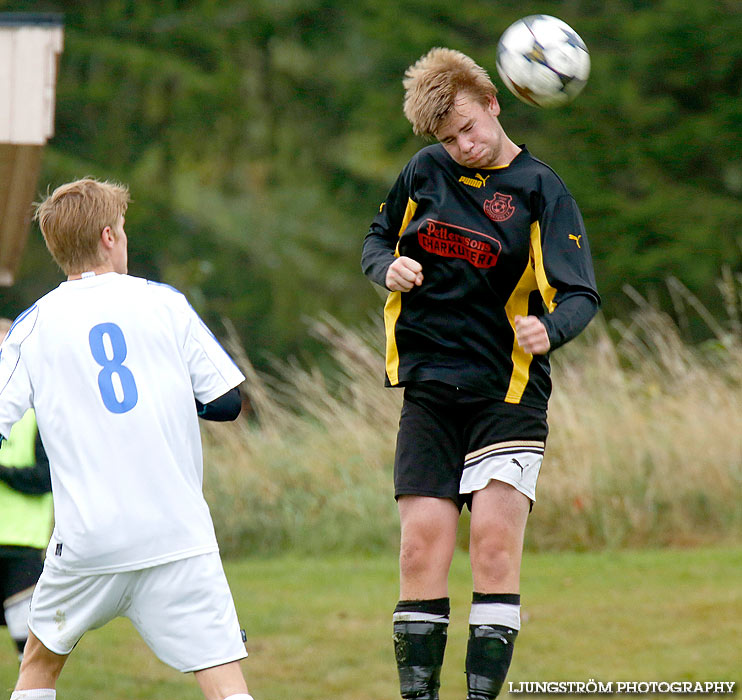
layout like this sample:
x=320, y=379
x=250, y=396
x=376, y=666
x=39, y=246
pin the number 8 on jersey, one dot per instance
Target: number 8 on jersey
x=113, y=366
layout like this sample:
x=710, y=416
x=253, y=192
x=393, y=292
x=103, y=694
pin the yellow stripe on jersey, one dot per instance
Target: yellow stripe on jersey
x=393, y=308
x=517, y=305
x=547, y=291
x=534, y=277
x=408, y=214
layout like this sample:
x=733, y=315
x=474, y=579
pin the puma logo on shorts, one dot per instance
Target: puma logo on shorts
x=516, y=462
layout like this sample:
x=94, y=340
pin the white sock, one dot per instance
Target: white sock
x=36, y=693
x=240, y=696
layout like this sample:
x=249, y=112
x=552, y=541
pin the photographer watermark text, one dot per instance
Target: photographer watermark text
x=593, y=687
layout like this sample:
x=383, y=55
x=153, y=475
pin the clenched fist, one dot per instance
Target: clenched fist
x=404, y=274
x=531, y=335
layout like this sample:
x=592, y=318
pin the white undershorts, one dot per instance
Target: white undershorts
x=517, y=463
x=183, y=610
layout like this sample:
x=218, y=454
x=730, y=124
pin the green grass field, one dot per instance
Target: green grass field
x=319, y=628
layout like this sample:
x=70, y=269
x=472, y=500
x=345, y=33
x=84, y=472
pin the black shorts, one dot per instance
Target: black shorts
x=441, y=424
x=20, y=568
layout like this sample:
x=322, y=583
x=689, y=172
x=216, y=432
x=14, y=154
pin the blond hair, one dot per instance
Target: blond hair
x=432, y=84
x=73, y=216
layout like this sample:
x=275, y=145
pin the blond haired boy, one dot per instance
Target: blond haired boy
x=484, y=254
x=118, y=369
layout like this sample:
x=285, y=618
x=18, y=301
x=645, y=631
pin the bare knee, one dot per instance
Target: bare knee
x=499, y=515
x=495, y=560
x=418, y=553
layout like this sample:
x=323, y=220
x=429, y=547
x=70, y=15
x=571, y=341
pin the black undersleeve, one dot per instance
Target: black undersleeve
x=224, y=408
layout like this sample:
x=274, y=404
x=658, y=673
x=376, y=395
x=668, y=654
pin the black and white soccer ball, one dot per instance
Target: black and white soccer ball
x=543, y=61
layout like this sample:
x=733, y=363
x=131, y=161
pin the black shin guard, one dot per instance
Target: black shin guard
x=490, y=649
x=488, y=659
x=420, y=632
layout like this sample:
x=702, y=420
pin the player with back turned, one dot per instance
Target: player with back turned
x=484, y=253
x=118, y=369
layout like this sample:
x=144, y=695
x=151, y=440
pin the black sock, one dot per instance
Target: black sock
x=420, y=630
x=493, y=627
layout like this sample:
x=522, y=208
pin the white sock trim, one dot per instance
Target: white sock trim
x=495, y=614
x=36, y=693
x=241, y=696
x=16, y=617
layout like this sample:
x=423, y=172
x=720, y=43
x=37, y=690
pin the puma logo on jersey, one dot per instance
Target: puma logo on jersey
x=576, y=239
x=381, y=207
x=476, y=181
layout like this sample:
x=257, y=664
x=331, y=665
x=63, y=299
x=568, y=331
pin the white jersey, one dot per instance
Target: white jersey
x=111, y=364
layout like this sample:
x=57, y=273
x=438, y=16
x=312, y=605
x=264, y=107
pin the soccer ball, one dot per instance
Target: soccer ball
x=543, y=61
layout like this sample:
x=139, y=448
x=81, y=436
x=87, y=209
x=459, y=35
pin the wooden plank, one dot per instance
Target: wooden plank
x=6, y=85
x=30, y=44
x=29, y=55
x=19, y=174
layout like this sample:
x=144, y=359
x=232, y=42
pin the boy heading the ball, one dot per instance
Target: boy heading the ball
x=117, y=369
x=484, y=254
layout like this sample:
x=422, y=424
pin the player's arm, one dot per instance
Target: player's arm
x=570, y=318
x=380, y=260
x=215, y=377
x=34, y=480
x=539, y=335
x=568, y=269
x=224, y=408
x=382, y=266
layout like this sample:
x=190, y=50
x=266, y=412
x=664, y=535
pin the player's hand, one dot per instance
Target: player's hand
x=531, y=335
x=404, y=274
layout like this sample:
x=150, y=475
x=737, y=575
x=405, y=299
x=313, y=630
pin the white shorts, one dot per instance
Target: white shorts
x=183, y=610
x=517, y=463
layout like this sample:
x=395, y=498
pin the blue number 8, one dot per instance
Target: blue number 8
x=111, y=366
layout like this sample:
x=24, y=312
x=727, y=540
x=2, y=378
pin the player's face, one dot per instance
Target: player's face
x=119, y=253
x=472, y=135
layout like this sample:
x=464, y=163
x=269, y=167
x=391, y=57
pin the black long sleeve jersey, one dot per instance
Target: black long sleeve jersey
x=493, y=244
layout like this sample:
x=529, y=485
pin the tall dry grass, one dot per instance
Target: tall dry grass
x=645, y=447
x=646, y=433
x=309, y=468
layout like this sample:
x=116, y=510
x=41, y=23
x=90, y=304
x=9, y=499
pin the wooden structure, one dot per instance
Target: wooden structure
x=30, y=45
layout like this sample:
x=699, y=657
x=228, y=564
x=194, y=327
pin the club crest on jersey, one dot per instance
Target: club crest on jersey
x=451, y=241
x=500, y=207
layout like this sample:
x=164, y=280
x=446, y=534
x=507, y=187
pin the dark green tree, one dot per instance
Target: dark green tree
x=259, y=137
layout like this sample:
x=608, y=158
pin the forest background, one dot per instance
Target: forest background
x=259, y=138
